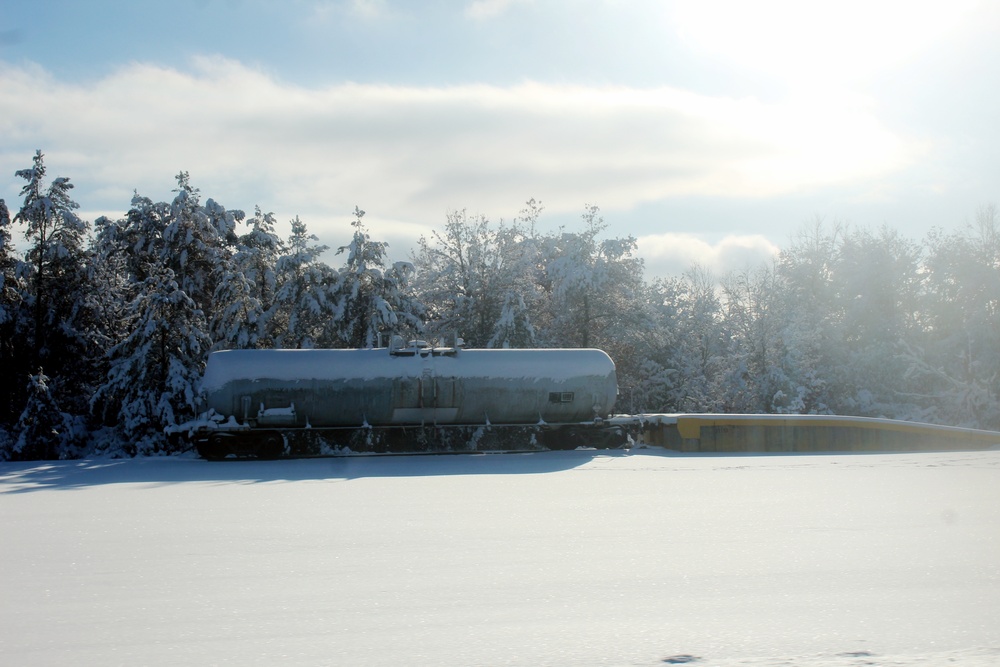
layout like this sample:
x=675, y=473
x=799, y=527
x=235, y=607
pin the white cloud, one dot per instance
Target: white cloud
x=671, y=254
x=408, y=155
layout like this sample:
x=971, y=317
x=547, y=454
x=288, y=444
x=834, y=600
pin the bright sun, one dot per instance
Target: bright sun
x=803, y=40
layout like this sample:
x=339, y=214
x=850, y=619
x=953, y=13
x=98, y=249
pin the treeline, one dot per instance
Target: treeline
x=105, y=327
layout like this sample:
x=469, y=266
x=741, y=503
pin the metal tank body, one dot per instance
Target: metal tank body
x=409, y=386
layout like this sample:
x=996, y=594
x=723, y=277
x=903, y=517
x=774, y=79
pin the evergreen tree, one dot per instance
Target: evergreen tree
x=44, y=431
x=254, y=267
x=137, y=239
x=197, y=243
x=372, y=299
x=55, y=281
x=305, y=310
x=690, y=354
x=239, y=319
x=155, y=370
x=11, y=314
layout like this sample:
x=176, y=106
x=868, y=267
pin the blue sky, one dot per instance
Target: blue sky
x=712, y=130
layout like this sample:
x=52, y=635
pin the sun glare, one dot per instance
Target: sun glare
x=817, y=41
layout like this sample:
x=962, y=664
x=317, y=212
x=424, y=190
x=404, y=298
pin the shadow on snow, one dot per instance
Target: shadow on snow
x=41, y=475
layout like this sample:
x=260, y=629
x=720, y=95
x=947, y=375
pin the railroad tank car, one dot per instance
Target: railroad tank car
x=255, y=395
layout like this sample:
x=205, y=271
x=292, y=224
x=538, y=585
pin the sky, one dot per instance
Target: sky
x=713, y=131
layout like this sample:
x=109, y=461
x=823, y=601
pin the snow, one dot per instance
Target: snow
x=553, y=558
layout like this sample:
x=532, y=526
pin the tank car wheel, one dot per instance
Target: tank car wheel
x=214, y=448
x=271, y=446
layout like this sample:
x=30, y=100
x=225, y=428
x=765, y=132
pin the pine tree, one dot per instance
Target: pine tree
x=239, y=318
x=305, y=310
x=55, y=281
x=43, y=430
x=689, y=350
x=197, y=243
x=373, y=300
x=254, y=263
x=11, y=313
x=155, y=370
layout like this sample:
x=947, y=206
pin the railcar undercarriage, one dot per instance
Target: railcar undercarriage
x=216, y=445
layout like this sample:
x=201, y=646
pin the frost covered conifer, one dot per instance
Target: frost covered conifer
x=11, y=313
x=239, y=315
x=55, y=280
x=196, y=243
x=247, y=291
x=155, y=370
x=688, y=347
x=43, y=431
x=305, y=306
x=373, y=299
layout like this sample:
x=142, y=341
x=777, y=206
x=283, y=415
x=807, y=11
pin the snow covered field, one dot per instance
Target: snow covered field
x=561, y=558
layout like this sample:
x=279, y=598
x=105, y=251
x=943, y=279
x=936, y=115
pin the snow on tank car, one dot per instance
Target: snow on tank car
x=257, y=396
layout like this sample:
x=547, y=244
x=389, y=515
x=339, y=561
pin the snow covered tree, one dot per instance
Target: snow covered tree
x=305, y=309
x=372, y=299
x=513, y=328
x=155, y=370
x=55, y=282
x=956, y=368
x=594, y=285
x=56, y=256
x=522, y=297
x=137, y=239
x=246, y=293
x=11, y=314
x=258, y=252
x=7, y=262
x=479, y=279
x=877, y=284
x=239, y=319
x=691, y=354
x=458, y=271
x=754, y=318
x=43, y=431
x=197, y=243
x=811, y=333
